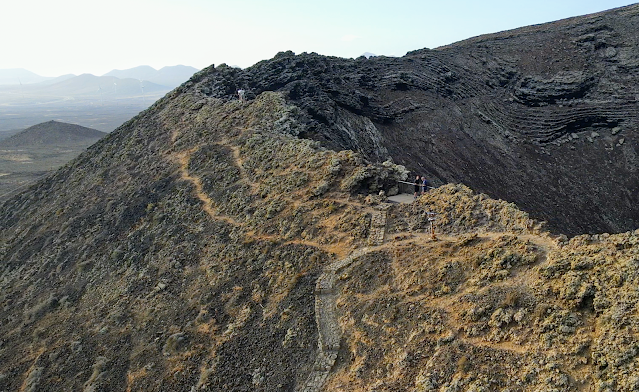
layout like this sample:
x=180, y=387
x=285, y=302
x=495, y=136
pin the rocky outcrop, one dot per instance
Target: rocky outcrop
x=535, y=91
x=544, y=116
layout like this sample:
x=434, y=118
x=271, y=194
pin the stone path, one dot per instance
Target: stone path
x=329, y=331
x=378, y=226
x=402, y=198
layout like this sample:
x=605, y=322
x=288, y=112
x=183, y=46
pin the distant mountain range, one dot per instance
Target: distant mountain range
x=169, y=77
x=88, y=84
x=101, y=102
x=166, y=76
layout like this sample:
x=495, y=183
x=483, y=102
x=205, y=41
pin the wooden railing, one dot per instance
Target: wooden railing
x=408, y=187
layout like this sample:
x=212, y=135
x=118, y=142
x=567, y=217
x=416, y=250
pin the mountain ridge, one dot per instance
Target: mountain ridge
x=210, y=244
x=546, y=114
x=165, y=75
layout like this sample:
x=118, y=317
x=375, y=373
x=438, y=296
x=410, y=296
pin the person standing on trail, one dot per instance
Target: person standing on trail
x=418, y=185
x=424, y=185
x=240, y=94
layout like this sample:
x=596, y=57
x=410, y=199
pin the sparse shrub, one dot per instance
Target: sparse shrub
x=463, y=364
x=42, y=308
x=174, y=344
x=321, y=188
x=32, y=380
x=511, y=299
x=542, y=311
x=355, y=181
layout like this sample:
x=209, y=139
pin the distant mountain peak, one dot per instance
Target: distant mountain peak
x=52, y=133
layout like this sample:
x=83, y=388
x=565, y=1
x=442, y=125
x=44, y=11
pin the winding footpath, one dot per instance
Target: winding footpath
x=329, y=331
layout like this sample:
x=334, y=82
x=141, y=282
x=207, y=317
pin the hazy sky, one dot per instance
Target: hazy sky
x=55, y=37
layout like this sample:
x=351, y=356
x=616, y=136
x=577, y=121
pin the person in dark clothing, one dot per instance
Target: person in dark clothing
x=418, y=185
x=424, y=185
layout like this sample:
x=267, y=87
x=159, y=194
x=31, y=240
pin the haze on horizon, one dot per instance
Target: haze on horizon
x=79, y=36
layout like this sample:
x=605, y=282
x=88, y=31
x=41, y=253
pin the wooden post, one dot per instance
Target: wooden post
x=432, y=217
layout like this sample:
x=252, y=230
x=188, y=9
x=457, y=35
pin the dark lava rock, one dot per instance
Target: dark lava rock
x=525, y=115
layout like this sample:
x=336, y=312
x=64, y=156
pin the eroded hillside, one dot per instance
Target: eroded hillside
x=202, y=247
x=176, y=248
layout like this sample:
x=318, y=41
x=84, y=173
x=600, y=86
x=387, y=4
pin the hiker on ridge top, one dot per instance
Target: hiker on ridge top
x=418, y=185
x=424, y=185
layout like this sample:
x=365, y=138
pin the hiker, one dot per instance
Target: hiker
x=424, y=185
x=418, y=186
x=240, y=93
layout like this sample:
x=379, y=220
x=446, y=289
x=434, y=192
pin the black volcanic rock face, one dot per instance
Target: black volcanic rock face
x=544, y=116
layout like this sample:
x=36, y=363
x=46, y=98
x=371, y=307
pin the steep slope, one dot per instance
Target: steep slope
x=202, y=247
x=164, y=230
x=52, y=133
x=544, y=116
